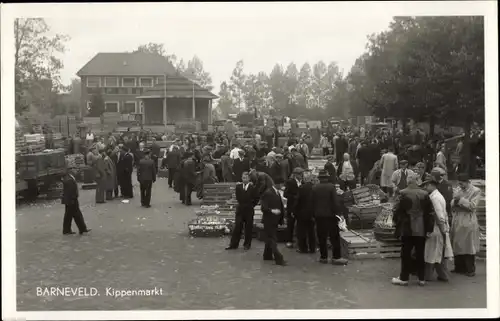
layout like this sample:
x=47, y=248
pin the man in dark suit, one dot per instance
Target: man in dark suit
x=188, y=173
x=272, y=216
x=330, y=168
x=71, y=206
x=146, y=176
x=304, y=215
x=291, y=192
x=240, y=165
x=247, y=199
x=325, y=208
x=413, y=220
x=114, y=157
x=173, y=162
x=124, y=170
x=155, y=153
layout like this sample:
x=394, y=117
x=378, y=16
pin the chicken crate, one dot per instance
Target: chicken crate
x=209, y=226
x=363, y=216
x=218, y=193
x=362, y=245
x=362, y=195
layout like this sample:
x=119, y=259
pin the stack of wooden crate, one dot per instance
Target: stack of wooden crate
x=218, y=193
x=362, y=245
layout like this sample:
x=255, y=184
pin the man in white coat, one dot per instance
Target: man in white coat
x=438, y=248
x=465, y=232
x=388, y=165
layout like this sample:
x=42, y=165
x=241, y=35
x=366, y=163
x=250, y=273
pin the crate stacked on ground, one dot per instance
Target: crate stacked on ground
x=21, y=146
x=218, y=193
x=366, y=208
x=362, y=245
x=35, y=143
x=77, y=163
x=383, y=228
x=209, y=223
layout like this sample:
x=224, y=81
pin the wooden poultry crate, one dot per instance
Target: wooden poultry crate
x=218, y=194
x=362, y=245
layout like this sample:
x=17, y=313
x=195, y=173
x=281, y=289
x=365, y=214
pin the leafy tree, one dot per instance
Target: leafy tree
x=237, y=84
x=196, y=72
x=279, y=96
x=225, y=104
x=35, y=59
x=291, y=82
x=97, y=107
x=305, y=95
x=158, y=49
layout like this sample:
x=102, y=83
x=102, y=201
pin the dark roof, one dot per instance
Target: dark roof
x=178, y=87
x=127, y=64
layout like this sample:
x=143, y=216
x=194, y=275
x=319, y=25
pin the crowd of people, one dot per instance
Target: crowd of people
x=433, y=221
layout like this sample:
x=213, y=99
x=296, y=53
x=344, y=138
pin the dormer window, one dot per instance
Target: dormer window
x=129, y=82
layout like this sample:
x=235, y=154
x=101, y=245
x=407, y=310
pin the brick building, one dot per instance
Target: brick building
x=135, y=83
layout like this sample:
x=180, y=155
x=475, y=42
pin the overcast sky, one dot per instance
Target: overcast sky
x=261, y=34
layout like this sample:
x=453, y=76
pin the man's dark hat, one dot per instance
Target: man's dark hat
x=463, y=177
x=323, y=174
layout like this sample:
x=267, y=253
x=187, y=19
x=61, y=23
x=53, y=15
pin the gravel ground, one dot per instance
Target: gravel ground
x=135, y=248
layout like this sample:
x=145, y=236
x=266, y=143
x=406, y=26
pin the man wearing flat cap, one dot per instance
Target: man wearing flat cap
x=465, y=228
x=399, y=177
x=146, y=176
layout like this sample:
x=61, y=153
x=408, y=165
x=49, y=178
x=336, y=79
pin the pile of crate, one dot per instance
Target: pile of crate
x=364, y=211
x=218, y=193
x=21, y=146
x=362, y=245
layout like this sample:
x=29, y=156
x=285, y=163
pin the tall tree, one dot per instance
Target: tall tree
x=291, y=82
x=319, y=87
x=225, y=103
x=158, y=49
x=35, y=59
x=305, y=95
x=196, y=72
x=279, y=96
x=97, y=107
x=237, y=84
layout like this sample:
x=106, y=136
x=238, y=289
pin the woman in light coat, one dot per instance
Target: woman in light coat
x=388, y=165
x=438, y=250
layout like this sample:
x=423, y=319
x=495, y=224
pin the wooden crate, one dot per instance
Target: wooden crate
x=218, y=194
x=363, y=217
x=362, y=245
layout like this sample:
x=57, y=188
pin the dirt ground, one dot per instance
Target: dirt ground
x=135, y=248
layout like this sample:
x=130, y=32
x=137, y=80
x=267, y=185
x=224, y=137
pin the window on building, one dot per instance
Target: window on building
x=111, y=91
x=136, y=91
x=146, y=82
x=111, y=106
x=129, y=107
x=93, y=81
x=123, y=91
x=111, y=82
x=141, y=107
x=94, y=91
x=129, y=82
x=159, y=80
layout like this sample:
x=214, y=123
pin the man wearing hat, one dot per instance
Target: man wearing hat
x=400, y=176
x=146, y=176
x=125, y=167
x=240, y=165
x=275, y=171
x=100, y=176
x=330, y=169
x=465, y=228
x=325, y=211
x=291, y=193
